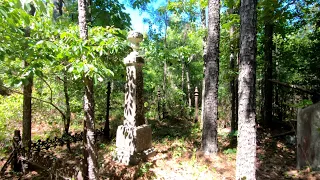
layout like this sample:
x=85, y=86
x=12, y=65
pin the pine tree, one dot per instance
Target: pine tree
x=246, y=150
x=209, y=133
x=90, y=164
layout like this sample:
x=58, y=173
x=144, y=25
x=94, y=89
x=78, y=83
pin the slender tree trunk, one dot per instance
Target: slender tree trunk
x=188, y=85
x=90, y=162
x=57, y=8
x=57, y=11
x=27, y=109
x=182, y=87
x=246, y=149
x=165, y=73
x=182, y=75
x=277, y=88
x=27, y=96
x=67, y=101
x=236, y=87
x=204, y=41
x=107, y=123
x=67, y=116
x=233, y=83
x=268, y=87
x=164, y=85
x=209, y=132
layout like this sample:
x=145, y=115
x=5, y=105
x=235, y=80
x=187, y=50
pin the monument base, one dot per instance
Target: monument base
x=133, y=144
x=308, y=137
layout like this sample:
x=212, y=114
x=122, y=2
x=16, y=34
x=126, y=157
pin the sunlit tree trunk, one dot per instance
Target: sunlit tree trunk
x=209, y=132
x=204, y=41
x=182, y=75
x=188, y=85
x=90, y=162
x=246, y=150
x=165, y=69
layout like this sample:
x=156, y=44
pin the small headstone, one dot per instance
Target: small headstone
x=308, y=137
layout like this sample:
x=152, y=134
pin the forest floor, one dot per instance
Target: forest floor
x=177, y=144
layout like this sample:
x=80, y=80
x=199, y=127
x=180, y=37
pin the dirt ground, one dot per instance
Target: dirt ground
x=177, y=144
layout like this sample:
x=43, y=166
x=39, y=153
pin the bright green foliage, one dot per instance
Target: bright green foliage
x=183, y=48
x=55, y=46
x=10, y=114
x=109, y=13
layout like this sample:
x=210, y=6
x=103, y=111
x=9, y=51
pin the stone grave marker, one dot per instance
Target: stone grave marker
x=308, y=137
x=133, y=139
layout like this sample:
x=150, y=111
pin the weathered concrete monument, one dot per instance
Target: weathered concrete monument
x=308, y=137
x=133, y=139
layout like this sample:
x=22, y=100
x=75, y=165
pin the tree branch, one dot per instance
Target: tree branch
x=48, y=102
x=293, y=87
x=51, y=99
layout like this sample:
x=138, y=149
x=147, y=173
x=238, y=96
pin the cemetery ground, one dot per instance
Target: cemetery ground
x=177, y=143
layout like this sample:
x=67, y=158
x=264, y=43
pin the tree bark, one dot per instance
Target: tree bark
x=268, y=88
x=204, y=42
x=67, y=102
x=164, y=85
x=182, y=75
x=106, y=130
x=27, y=109
x=90, y=161
x=246, y=149
x=27, y=96
x=188, y=86
x=233, y=81
x=209, y=132
x=57, y=8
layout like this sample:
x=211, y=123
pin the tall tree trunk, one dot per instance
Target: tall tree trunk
x=57, y=11
x=165, y=73
x=246, y=149
x=106, y=129
x=90, y=161
x=182, y=75
x=67, y=116
x=268, y=87
x=27, y=96
x=27, y=109
x=209, y=132
x=67, y=102
x=164, y=85
x=182, y=87
x=233, y=83
x=277, y=88
x=57, y=8
x=204, y=42
x=188, y=85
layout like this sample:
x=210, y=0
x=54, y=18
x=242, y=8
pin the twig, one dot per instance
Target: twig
x=283, y=134
x=293, y=87
x=48, y=102
x=51, y=99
